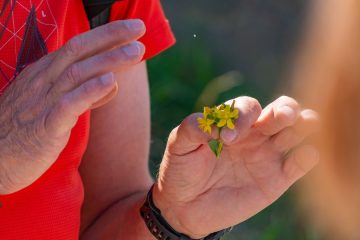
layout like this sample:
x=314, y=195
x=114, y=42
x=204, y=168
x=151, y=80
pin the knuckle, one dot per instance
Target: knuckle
x=254, y=105
x=90, y=87
x=288, y=100
x=44, y=60
x=73, y=47
x=39, y=81
x=112, y=56
x=140, y=26
x=63, y=105
x=280, y=121
x=190, y=120
x=250, y=105
x=116, y=28
x=73, y=74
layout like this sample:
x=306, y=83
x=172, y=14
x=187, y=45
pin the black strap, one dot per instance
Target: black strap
x=160, y=229
x=98, y=11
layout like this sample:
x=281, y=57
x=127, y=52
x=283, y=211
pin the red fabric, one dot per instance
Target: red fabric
x=50, y=208
x=158, y=31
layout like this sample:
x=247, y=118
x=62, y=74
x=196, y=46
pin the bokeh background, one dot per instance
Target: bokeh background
x=226, y=49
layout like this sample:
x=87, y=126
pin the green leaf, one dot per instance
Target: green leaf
x=216, y=147
x=220, y=147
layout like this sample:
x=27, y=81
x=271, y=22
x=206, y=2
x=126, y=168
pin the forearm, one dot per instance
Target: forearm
x=120, y=221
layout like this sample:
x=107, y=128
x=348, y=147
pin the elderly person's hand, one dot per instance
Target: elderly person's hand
x=199, y=194
x=38, y=110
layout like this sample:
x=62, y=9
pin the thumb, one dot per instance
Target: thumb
x=188, y=137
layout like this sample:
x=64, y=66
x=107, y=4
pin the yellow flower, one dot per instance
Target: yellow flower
x=228, y=122
x=205, y=124
x=207, y=111
x=221, y=116
x=226, y=115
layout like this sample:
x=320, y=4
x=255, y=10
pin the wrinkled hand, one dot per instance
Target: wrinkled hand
x=199, y=194
x=39, y=109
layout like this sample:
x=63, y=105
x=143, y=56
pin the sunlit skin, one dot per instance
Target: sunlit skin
x=199, y=194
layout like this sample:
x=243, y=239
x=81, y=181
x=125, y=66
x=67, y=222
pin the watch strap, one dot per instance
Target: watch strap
x=159, y=227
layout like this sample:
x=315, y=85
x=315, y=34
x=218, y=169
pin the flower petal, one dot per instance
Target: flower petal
x=207, y=129
x=221, y=123
x=209, y=121
x=230, y=124
x=234, y=114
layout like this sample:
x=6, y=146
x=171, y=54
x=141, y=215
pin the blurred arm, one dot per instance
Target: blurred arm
x=115, y=167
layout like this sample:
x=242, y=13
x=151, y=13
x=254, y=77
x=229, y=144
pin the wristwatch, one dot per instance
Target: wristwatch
x=160, y=229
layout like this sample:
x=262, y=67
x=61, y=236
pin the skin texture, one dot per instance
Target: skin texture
x=40, y=108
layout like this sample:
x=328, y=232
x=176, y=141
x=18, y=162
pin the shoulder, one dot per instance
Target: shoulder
x=159, y=35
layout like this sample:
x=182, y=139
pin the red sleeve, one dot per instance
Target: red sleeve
x=158, y=35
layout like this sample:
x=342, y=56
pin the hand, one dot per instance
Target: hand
x=39, y=109
x=199, y=194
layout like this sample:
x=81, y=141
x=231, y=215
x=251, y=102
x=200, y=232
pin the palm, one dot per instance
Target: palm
x=243, y=181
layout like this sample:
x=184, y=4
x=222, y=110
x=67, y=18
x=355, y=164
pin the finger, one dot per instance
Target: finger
x=111, y=61
x=107, y=98
x=249, y=111
x=290, y=137
x=187, y=137
x=300, y=162
x=64, y=115
x=33, y=70
x=278, y=115
x=98, y=40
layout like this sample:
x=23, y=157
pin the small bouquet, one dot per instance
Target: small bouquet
x=220, y=117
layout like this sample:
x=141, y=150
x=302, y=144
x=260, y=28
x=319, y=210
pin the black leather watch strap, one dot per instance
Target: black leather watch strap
x=160, y=229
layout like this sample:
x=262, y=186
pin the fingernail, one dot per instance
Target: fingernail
x=135, y=25
x=132, y=50
x=288, y=111
x=107, y=79
x=228, y=135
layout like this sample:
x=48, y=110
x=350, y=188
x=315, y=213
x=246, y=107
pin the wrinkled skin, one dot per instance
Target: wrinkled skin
x=42, y=105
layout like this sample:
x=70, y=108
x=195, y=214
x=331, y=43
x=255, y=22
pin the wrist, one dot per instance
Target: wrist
x=172, y=212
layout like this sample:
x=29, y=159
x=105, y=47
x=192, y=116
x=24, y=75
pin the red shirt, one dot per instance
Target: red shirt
x=29, y=29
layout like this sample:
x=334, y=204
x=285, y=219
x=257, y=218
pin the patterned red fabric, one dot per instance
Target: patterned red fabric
x=29, y=29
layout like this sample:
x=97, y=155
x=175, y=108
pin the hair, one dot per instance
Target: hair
x=327, y=78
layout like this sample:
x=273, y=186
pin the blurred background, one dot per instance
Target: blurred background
x=226, y=49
